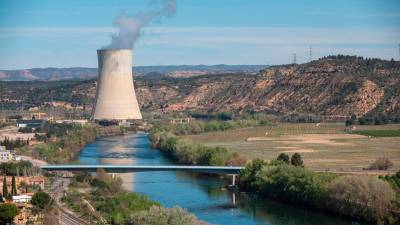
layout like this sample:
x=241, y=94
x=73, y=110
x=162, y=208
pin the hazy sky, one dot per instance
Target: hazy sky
x=67, y=33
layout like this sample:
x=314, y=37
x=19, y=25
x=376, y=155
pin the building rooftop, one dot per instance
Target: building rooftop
x=30, y=121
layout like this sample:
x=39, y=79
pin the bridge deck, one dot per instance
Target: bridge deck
x=144, y=168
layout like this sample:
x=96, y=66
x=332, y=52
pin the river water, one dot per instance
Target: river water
x=201, y=195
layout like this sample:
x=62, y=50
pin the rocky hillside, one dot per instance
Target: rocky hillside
x=335, y=85
x=339, y=86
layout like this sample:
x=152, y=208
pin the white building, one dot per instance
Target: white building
x=6, y=155
x=21, y=198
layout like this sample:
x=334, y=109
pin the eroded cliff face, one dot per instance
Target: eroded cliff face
x=330, y=86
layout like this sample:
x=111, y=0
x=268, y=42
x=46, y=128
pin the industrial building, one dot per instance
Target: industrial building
x=34, y=124
x=115, y=96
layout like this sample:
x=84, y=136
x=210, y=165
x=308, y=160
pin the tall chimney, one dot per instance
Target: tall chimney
x=115, y=96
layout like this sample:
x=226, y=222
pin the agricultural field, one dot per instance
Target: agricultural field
x=323, y=146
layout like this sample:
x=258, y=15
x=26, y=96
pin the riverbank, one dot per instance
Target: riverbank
x=366, y=198
x=102, y=200
x=61, y=143
x=371, y=199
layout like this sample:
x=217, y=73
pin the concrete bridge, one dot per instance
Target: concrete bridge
x=143, y=168
x=113, y=169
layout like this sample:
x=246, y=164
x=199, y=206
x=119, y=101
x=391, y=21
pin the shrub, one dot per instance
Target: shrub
x=213, y=156
x=7, y=213
x=121, y=207
x=237, y=160
x=296, y=160
x=361, y=197
x=394, y=180
x=169, y=216
x=294, y=184
x=42, y=200
x=382, y=163
x=188, y=152
x=283, y=157
x=248, y=176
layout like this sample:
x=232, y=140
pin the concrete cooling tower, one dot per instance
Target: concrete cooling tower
x=115, y=96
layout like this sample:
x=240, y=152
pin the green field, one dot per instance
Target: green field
x=325, y=146
x=378, y=133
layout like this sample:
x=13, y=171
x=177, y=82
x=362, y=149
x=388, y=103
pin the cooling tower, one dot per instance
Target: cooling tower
x=115, y=96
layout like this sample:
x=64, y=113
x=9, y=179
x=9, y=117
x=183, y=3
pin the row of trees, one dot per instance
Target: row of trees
x=188, y=152
x=13, y=144
x=372, y=120
x=8, y=195
x=20, y=168
x=295, y=160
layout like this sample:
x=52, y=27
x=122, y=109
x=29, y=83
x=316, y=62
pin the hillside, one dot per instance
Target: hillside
x=335, y=85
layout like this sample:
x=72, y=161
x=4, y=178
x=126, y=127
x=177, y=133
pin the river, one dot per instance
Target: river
x=204, y=196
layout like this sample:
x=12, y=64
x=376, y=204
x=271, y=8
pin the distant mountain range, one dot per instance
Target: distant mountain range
x=48, y=74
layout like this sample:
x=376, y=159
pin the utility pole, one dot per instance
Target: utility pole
x=294, y=58
x=310, y=53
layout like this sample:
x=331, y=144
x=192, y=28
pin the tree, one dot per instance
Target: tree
x=5, y=190
x=7, y=213
x=13, y=186
x=101, y=174
x=382, y=163
x=42, y=200
x=296, y=160
x=24, y=186
x=283, y=157
x=364, y=197
x=247, y=176
x=351, y=121
x=168, y=216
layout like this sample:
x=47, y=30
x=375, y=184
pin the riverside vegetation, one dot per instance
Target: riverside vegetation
x=362, y=197
x=106, y=202
x=166, y=138
x=62, y=141
x=366, y=198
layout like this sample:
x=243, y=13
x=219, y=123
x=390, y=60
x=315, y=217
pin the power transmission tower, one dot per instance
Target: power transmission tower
x=310, y=53
x=294, y=58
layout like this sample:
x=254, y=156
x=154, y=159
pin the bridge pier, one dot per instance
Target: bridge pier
x=233, y=184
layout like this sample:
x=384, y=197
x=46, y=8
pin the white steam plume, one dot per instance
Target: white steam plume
x=130, y=27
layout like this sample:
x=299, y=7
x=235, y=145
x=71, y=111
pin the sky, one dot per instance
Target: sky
x=67, y=33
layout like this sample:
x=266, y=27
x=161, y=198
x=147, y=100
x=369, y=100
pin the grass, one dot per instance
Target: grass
x=323, y=147
x=378, y=133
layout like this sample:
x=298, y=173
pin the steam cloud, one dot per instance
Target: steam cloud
x=130, y=27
